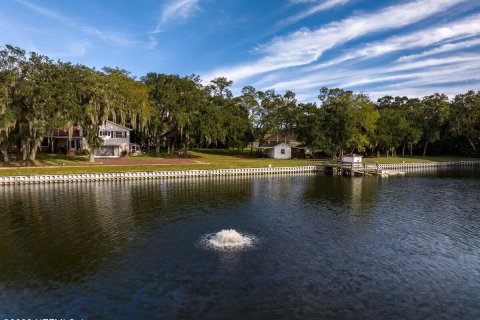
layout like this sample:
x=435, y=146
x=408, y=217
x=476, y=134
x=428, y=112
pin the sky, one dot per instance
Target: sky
x=412, y=47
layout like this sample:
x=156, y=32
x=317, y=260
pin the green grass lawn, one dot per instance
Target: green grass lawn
x=204, y=159
x=60, y=159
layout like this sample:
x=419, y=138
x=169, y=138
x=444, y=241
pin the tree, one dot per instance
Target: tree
x=39, y=98
x=9, y=58
x=287, y=114
x=349, y=120
x=113, y=94
x=434, y=111
x=232, y=114
x=465, y=117
x=398, y=123
x=391, y=130
x=310, y=128
x=268, y=124
x=249, y=102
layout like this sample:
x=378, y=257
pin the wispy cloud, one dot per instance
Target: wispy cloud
x=420, y=77
x=432, y=71
x=318, y=7
x=109, y=36
x=73, y=49
x=448, y=47
x=456, y=30
x=420, y=92
x=176, y=11
x=306, y=46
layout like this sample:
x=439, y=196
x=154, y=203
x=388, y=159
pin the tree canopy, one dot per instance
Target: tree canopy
x=38, y=95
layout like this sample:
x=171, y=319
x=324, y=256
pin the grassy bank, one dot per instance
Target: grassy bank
x=201, y=160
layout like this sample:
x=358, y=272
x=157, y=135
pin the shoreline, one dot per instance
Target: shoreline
x=419, y=165
x=68, y=178
x=176, y=174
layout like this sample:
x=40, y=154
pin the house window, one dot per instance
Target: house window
x=282, y=151
x=119, y=134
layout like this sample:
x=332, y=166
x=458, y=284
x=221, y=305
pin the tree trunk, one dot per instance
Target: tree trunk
x=91, y=157
x=403, y=150
x=425, y=149
x=34, y=150
x=157, y=145
x=23, y=150
x=411, y=149
x=6, y=158
x=472, y=145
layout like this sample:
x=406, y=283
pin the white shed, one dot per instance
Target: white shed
x=352, y=157
x=277, y=150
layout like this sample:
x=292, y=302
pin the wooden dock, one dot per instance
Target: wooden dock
x=351, y=168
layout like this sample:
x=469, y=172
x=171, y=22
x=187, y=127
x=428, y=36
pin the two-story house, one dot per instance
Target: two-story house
x=116, y=141
x=69, y=141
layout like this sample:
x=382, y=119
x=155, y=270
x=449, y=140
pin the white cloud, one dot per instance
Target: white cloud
x=306, y=46
x=423, y=77
x=175, y=11
x=73, y=49
x=442, y=49
x=432, y=70
x=326, y=5
x=420, y=92
x=466, y=27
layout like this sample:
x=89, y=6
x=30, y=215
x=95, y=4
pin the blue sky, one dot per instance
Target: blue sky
x=413, y=47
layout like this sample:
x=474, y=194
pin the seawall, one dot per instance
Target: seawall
x=420, y=165
x=67, y=178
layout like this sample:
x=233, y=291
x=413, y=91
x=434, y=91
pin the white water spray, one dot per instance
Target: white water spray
x=229, y=239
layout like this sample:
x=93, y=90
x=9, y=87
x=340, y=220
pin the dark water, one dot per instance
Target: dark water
x=329, y=247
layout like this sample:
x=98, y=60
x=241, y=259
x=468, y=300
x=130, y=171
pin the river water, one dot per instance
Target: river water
x=325, y=247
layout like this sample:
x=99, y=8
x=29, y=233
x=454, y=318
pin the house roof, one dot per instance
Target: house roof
x=270, y=145
x=352, y=155
x=117, y=125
